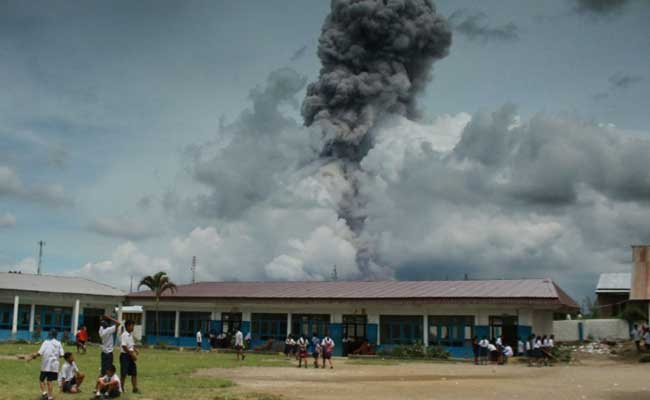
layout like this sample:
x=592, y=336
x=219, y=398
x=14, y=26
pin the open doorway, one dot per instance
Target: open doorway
x=506, y=326
x=92, y=317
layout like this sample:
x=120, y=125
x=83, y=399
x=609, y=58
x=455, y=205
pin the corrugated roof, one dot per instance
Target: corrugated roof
x=494, y=290
x=56, y=284
x=619, y=281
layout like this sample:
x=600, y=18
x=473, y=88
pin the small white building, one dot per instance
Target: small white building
x=31, y=305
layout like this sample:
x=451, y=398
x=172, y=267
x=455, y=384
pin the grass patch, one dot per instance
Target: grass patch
x=163, y=374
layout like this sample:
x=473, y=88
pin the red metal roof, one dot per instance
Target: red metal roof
x=493, y=291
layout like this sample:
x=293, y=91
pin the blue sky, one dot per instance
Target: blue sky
x=103, y=102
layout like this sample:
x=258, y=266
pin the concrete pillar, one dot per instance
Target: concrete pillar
x=14, y=321
x=119, y=318
x=75, y=317
x=288, y=323
x=32, y=314
x=144, y=322
x=425, y=329
x=177, y=324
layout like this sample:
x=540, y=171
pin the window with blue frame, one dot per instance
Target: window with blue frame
x=190, y=322
x=166, y=322
x=451, y=330
x=401, y=329
x=47, y=318
x=6, y=315
x=268, y=326
x=307, y=324
x=23, y=317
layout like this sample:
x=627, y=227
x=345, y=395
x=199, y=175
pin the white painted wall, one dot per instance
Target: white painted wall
x=598, y=329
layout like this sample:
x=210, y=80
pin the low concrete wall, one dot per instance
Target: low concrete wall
x=596, y=329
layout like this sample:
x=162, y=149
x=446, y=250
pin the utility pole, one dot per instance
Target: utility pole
x=40, y=255
x=131, y=288
x=193, y=269
x=335, y=275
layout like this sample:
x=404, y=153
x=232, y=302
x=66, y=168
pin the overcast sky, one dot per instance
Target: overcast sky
x=134, y=135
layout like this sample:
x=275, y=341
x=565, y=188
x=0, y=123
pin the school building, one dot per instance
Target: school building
x=386, y=313
x=31, y=305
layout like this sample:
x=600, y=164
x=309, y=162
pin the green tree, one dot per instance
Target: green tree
x=158, y=284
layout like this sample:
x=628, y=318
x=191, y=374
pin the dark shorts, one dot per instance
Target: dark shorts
x=81, y=342
x=327, y=355
x=113, y=394
x=107, y=361
x=199, y=344
x=239, y=347
x=483, y=351
x=316, y=355
x=67, y=385
x=49, y=376
x=127, y=365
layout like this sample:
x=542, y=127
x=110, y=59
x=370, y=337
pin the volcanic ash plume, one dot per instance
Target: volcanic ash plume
x=376, y=55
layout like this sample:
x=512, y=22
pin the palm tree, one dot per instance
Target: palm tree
x=159, y=284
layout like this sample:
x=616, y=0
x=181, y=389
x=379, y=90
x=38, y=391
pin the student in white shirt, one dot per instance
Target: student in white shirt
x=483, y=350
x=199, y=340
x=239, y=345
x=50, y=351
x=128, y=356
x=303, y=343
x=507, y=353
x=327, y=346
x=70, y=378
x=108, y=385
x=521, y=347
x=494, y=352
x=106, y=332
x=646, y=339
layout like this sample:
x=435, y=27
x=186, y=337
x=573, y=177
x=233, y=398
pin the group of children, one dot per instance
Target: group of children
x=70, y=378
x=538, y=350
x=641, y=334
x=319, y=348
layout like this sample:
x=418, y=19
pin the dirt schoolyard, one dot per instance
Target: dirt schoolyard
x=596, y=379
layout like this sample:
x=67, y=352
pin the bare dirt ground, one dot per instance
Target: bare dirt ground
x=592, y=379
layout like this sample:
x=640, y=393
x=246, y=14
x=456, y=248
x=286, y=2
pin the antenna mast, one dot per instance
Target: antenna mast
x=193, y=269
x=40, y=256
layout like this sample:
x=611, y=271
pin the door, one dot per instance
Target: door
x=506, y=326
x=354, y=332
x=91, y=320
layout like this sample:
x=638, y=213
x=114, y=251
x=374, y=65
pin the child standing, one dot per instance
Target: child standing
x=483, y=350
x=50, y=350
x=328, y=348
x=106, y=332
x=302, y=351
x=128, y=356
x=82, y=338
x=199, y=340
x=318, y=350
x=70, y=378
x=239, y=345
x=109, y=385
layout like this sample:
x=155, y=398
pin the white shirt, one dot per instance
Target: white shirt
x=508, y=351
x=106, y=334
x=248, y=336
x=239, y=339
x=491, y=347
x=126, y=340
x=499, y=342
x=520, y=346
x=50, y=352
x=199, y=338
x=636, y=333
x=551, y=343
x=483, y=343
x=537, y=344
x=545, y=343
x=647, y=336
x=113, y=378
x=302, y=343
x=327, y=343
x=68, y=371
x=527, y=345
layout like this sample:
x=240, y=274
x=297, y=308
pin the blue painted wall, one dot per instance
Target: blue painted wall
x=482, y=331
x=523, y=331
x=336, y=333
x=372, y=330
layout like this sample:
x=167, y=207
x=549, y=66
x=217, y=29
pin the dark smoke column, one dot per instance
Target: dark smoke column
x=376, y=55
